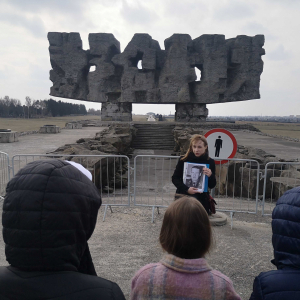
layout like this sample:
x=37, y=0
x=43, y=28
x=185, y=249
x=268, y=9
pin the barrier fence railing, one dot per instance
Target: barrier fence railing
x=4, y=173
x=237, y=186
x=110, y=174
x=152, y=185
x=278, y=178
x=237, y=190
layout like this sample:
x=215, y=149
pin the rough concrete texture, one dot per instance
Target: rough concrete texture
x=9, y=137
x=73, y=125
x=49, y=129
x=230, y=71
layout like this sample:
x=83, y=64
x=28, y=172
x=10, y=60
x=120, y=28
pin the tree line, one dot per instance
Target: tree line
x=12, y=108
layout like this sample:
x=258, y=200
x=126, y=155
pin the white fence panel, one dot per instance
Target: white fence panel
x=237, y=188
x=4, y=173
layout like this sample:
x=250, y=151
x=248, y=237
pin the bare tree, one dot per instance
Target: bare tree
x=28, y=103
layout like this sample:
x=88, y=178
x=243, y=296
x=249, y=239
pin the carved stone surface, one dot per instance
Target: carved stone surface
x=230, y=71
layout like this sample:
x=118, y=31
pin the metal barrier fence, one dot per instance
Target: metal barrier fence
x=237, y=190
x=278, y=178
x=237, y=186
x=152, y=181
x=4, y=173
x=110, y=174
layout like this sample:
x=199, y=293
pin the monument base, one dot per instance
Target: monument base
x=218, y=219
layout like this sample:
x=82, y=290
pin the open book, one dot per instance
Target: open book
x=193, y=176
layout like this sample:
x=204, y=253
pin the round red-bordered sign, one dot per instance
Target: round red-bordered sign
x=231, y=137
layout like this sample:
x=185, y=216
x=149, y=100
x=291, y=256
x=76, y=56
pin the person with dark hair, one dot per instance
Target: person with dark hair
x=197, y=153
x=195, y=179
x=49, y=213
x=283, y=283
x=183, y=272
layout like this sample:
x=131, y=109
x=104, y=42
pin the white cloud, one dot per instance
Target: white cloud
x=279, y=53
x=233, y=10
x=137, y=13
x=25, y=63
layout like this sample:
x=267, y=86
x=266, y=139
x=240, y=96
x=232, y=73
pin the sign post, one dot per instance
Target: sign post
x=221, y=144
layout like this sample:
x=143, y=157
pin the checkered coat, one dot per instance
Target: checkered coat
x=177, y=278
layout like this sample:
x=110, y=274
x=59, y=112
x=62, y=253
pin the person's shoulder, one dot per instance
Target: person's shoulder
x=275, y=275
x=146, y=270
x=217, y=274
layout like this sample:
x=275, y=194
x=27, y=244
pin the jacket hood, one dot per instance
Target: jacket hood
x=286, y=230
x=49, y=213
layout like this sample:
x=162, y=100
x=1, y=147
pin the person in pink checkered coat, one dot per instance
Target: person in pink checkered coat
x=183, y=272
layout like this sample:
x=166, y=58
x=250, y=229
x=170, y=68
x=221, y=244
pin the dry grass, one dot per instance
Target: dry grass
x=139, y=118
x=284, y=129
x=35, y=124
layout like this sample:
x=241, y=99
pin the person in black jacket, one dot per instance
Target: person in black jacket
x=49, y=213
x=197, y=153
x=283, y=283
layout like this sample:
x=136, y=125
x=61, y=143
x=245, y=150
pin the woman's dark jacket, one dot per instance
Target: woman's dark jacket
x=283, y=283
x=177, y=177
x=49, y=213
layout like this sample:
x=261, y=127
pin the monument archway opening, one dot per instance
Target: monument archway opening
x=92, y=68
x=198, y=74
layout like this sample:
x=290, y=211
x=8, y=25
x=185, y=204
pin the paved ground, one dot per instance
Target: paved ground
x=276, y=146
x=43, y=143
x=127, y=240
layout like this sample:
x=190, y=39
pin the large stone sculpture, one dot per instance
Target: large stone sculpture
x=230, y=71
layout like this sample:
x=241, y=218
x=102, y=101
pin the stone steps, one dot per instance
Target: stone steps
x=154, y=136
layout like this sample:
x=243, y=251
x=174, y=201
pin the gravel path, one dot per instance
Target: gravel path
x=127, y=240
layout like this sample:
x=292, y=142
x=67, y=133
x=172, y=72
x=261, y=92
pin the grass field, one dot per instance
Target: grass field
x=284, y=129
x=35, y=124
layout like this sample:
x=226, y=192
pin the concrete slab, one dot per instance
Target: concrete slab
x=218, y=219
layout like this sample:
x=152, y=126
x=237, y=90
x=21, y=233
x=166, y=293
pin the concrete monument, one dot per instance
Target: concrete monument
x=230, y=71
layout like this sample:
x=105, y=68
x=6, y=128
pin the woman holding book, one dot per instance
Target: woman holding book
x=196, y=154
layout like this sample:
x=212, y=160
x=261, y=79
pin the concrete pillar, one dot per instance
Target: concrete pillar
x=190, y=112
x=116, y=111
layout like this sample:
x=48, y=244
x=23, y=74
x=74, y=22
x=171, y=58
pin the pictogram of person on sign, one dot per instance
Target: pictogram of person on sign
x=218, y=146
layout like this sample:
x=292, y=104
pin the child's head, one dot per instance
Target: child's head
x=186, y=231
x=198, y=145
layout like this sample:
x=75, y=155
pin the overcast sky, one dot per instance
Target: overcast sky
x=25, y=63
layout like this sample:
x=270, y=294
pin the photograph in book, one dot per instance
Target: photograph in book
x=193, y=176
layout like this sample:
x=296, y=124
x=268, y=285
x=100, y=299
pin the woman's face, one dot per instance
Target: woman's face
x=199, y=148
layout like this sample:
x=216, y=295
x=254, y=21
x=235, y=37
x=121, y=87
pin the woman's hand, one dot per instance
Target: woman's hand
x=192, y=191
x=207, y=172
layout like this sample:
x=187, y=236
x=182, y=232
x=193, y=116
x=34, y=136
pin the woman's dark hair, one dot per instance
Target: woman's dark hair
x=194, y=139
x=186, y=230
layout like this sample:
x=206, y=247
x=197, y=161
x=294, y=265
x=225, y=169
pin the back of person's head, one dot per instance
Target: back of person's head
x=49, y=212
x=186, y=230
x=286, y=229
